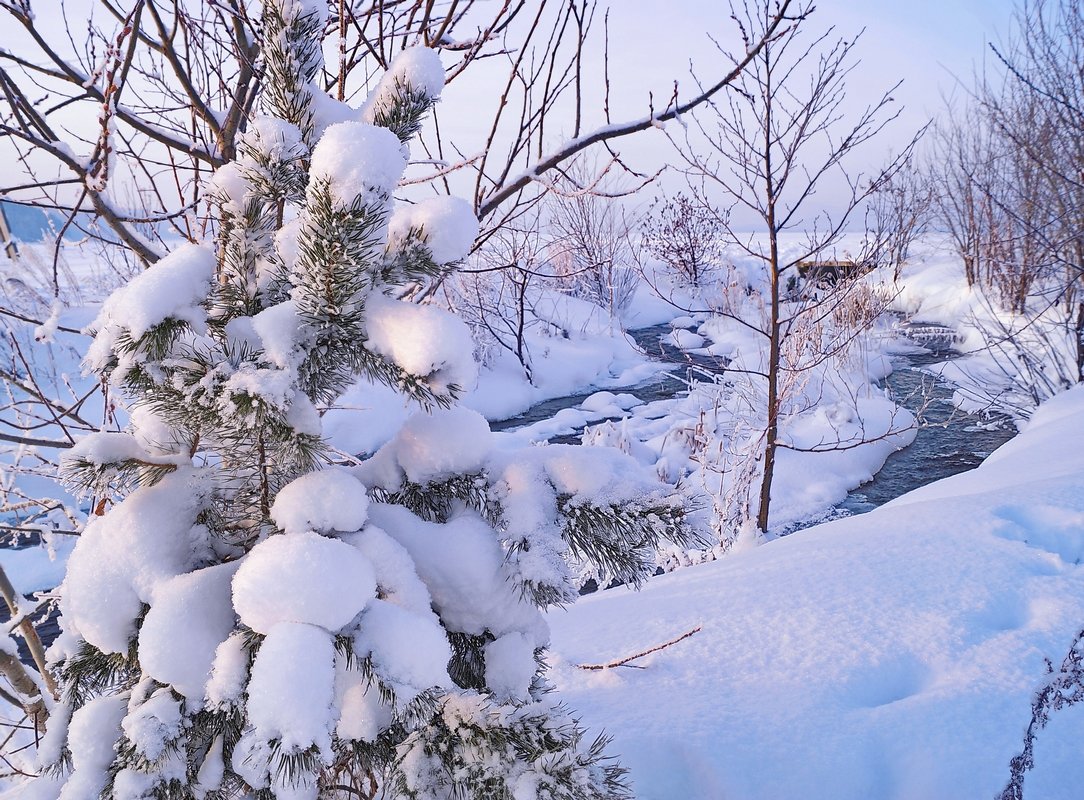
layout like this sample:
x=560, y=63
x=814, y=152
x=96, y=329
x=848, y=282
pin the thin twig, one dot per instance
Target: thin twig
x=624, y=662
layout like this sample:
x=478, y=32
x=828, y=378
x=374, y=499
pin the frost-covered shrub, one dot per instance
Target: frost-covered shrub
x=590, y=248
x=251, y=622
x=683, y=234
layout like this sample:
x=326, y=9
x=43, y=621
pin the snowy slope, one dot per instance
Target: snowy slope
x=891, y=655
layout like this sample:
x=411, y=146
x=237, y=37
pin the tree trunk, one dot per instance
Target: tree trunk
x=772, y=431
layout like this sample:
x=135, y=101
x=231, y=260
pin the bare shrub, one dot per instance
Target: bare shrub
x=590, y=247
x=683, y=233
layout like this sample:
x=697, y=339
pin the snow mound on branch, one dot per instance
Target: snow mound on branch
x=191, y=616
x=408, y=650
x=292, y=688
x=325, y=501
x=230, y=186
x=173, y=288
x=510, y=665
x=149, y=727
x=106, y=447
x=149, y=537
x=396, y=578
x=362, y=715
x=296, y=9
x=430, y=448
x=275, y=139
x=278, y=328
x=229, y=671
x=424, y=340
x=91, y=734
x=302, y=577
x=604, y=474
x=357, y=160
x=446, y=224
x=462, y=564
x=151, y=432
x=417, y=68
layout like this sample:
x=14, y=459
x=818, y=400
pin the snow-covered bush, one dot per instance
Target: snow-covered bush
x=250, y=621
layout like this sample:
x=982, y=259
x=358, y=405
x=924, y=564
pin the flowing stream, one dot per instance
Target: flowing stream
x=949, y=441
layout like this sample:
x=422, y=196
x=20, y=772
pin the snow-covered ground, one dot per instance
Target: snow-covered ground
x=889, y=655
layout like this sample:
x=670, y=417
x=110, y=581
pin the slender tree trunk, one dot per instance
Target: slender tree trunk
x=30, y=634
x=772, y=431
x=1080, y=342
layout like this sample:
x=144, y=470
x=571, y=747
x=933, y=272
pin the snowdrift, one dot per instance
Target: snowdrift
x=889, y=655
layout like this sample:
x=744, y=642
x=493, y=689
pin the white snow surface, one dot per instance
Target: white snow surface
x=91, y=735
x=357, y=160
x=302, y=577
x=889, y=655
x=510, y=666
x=326, y=500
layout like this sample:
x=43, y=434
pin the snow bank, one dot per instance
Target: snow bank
x=889, y=655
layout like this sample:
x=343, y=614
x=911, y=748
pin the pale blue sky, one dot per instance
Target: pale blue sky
x=924, y=42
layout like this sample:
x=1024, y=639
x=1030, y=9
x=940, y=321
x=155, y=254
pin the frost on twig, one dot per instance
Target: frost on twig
x=1062, y=689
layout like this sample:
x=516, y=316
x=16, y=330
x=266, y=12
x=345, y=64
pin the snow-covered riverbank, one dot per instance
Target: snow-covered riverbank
x=889, y=655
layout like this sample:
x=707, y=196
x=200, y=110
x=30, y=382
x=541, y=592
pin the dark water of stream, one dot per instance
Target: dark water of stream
x=947, y=442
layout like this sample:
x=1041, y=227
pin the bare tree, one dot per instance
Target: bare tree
x=765, y=148
x=1040, y=113
x=1011, y=193
x=495, y=293
x=171, y=85
x=900, y=210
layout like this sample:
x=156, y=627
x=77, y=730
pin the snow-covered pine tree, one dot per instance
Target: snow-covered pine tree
x=251, y=621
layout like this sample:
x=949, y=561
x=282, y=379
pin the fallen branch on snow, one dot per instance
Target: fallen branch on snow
x=624, y=662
